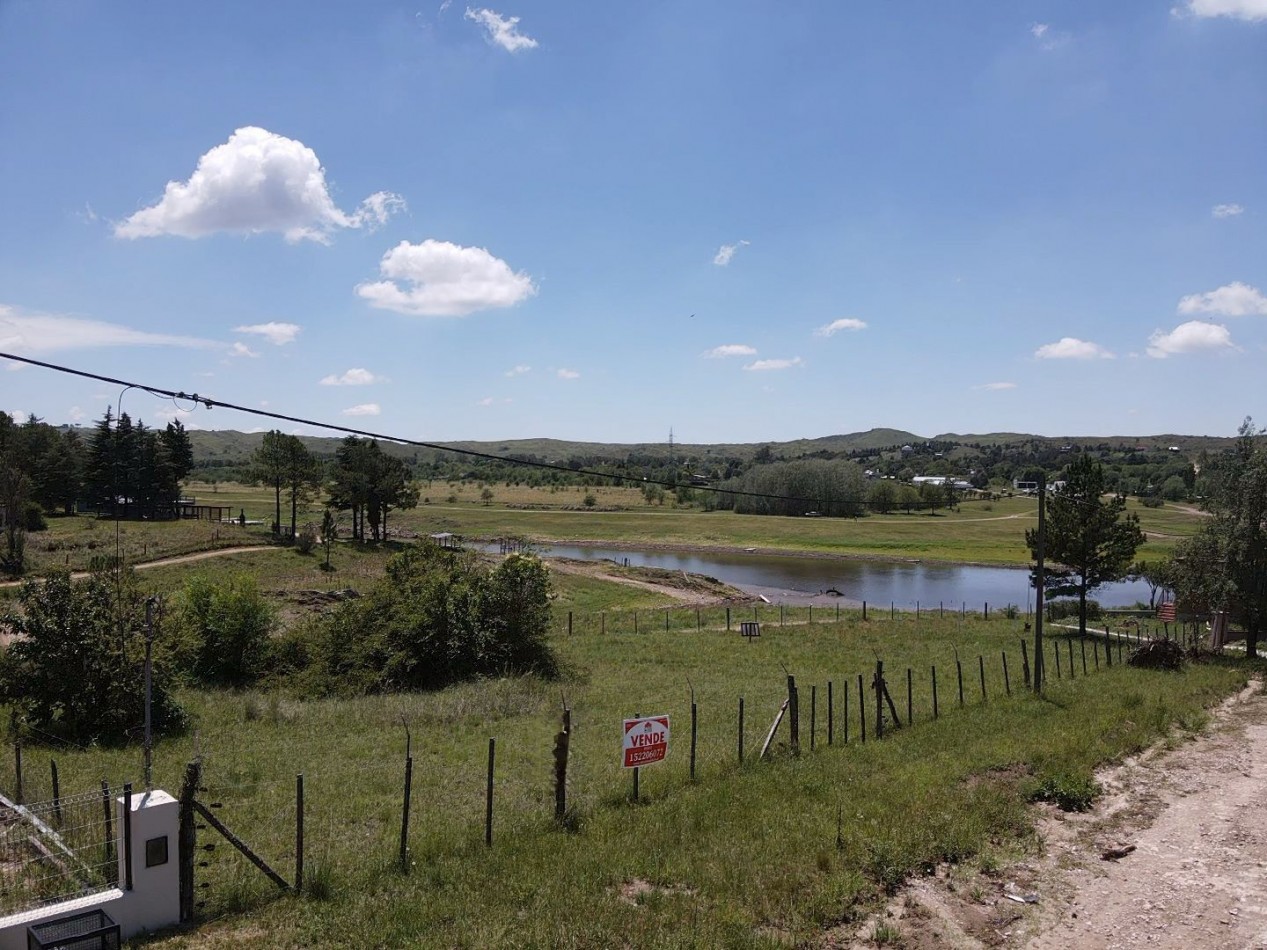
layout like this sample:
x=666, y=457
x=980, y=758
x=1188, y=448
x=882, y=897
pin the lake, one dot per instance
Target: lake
x=790, y=578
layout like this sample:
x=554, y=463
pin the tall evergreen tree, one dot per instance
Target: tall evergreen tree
x=268, y=465
x=1090, y=539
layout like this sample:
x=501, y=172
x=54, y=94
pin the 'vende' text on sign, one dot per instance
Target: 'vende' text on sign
x=646, y=741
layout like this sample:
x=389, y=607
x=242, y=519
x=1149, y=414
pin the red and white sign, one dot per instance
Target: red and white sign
x=1166, y=612
x=646, y=741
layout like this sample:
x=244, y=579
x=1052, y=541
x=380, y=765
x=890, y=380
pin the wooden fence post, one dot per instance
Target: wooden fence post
x=57, y=792
x=299, y=832
x=935, y=712
x=488, y=794
x=562, y=742
x=981, y=666
x=959, y=676
x=1055, y=648
x=1025, y=662
x=1070, y=644
x=831, y=716
x=862, y=712
x=17, y=768
x=694, y=733
x=813, y=714
x=1007, y=682
x=186, y=839
x=864, y=610
x=404, y=815
x=569, y=623
x=794, y=714
x=878, y=683
x=111, y=865
x=741, y=730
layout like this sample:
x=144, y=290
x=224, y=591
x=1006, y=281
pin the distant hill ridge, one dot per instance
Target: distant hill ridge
x=232, y=447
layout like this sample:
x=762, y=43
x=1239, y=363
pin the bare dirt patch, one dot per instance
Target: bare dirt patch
x=695, y=589
x=1173, y=855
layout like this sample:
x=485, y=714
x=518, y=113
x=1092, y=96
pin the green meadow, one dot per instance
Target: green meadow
x=767, y=853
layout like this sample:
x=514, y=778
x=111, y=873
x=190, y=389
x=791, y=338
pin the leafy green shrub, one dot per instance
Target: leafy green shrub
x=438, y=618
x=1067, y=792
x=306, y=539
x=222, y=631
x=1062, y=609
x=73, y=672
x=33, y=517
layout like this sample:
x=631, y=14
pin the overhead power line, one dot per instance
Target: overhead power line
x=210, y=403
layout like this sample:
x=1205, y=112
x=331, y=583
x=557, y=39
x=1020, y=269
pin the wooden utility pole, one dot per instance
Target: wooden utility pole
x=1039, y=583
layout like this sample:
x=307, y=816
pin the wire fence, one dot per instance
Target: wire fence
x=57, y=849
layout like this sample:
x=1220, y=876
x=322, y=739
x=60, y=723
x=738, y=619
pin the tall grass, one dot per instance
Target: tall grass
x=747, y=855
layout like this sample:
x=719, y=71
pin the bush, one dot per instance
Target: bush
x=33, y=517
x=590, y=500
x=71, y=675
x=1066, y=608
x=438, y=618
x=306, y=539
x=223, y=631
x=1067, y=792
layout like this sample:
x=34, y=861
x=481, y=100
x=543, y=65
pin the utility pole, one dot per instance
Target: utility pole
x=149, y=649
x=1040, y=580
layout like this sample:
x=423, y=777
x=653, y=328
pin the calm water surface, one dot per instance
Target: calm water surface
x=791, y=578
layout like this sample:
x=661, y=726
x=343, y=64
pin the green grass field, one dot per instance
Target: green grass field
x=748, y=855
x=975, y=534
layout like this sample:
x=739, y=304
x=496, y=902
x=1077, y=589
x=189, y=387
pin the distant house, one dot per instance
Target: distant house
x=937, y=480
x=1024, y=487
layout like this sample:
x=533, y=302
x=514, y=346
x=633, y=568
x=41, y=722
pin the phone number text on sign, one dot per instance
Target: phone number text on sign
x=646, y=741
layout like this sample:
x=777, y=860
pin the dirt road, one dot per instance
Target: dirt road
x=168, y=561
x=1174, y=855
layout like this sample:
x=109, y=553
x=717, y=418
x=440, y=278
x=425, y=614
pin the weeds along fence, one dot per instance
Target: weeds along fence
x=57, y=849
x=503, y=760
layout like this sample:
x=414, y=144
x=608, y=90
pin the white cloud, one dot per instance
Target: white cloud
x=441, y=279
x=255, y=182
x=1235, y=9
x=727, y=251
x=568, y=374
x=729, y=349
x=1227, y=211
x=518, y=370
x=1231, y=300
x=486, y=401
x=501, y=30
x=278, y=334
x=1190, y=337
x=1070, y=348
x=995, y=387
x=50, y=333
x=1038, y=30
x=364, y=409
x=241, y=349
x=761, y=365
x=845, y=323
x=353, y=377
x=18, y=416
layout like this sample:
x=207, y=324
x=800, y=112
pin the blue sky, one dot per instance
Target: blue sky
x=742, y=221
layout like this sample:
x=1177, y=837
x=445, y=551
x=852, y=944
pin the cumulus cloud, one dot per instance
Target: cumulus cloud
x=518, y=370
x=729, y=349
x=279, y=334
x=1227, y=211
x=763, y=365
x=845, y=323
x=1250, y=10
x=568, y=374
x=364, y=409
x=353, y=377
x=1071, y=348
x=1190, y=337
x=257, y=181
x=501, y=30
x=995, y=387
x=440, y=279
x=31, y=333
x=241, y=349
x=727, y=251
x=1231, y=300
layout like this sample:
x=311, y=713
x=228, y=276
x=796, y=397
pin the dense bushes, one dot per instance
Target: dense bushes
x=833, y=488
x=75, y=671
x=439, y=617
x=221, y=631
